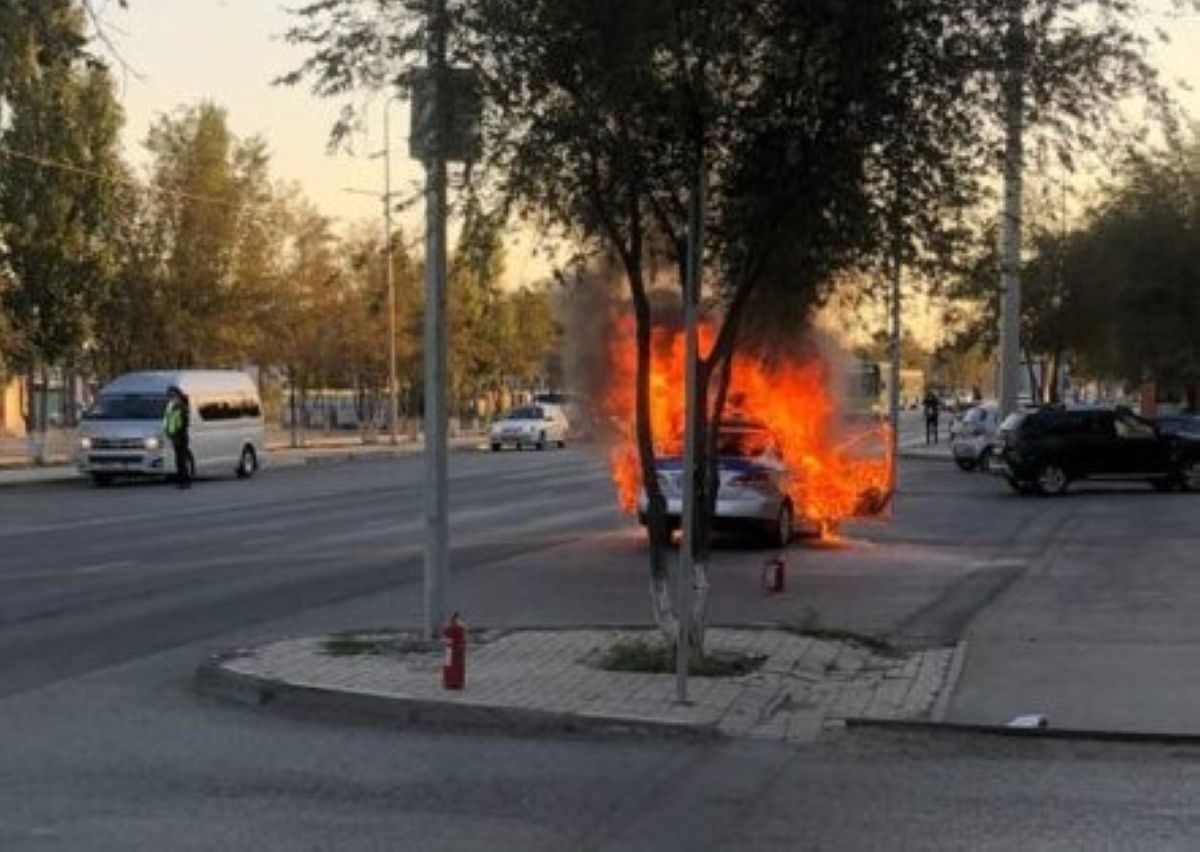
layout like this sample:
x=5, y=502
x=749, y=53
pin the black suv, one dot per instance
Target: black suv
x=1045, y=450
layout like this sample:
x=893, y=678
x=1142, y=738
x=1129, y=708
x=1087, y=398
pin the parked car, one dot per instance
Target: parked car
x=121, y=434
x=1187, y=425
x=1046, y=450
x=536, y=426
x=753, y=484
x=971, y=437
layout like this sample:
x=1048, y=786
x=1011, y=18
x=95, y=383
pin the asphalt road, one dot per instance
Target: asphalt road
x=108, y=598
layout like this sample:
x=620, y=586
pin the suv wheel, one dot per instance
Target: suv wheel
x=1051, y=479
x=1189, y=476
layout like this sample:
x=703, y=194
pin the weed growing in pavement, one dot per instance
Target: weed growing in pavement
x=349, y=645
x=646, y=657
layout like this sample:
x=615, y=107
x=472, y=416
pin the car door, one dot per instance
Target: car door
x=1139, y=448
x=1093, y=444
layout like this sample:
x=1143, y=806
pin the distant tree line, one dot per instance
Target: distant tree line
x=205, y=260
x=1112, y=291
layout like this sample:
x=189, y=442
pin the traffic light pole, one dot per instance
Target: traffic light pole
x=437, y=545
x=1010, y=261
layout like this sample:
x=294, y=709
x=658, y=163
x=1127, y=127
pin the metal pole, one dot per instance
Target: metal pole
x=894, y=369
x=1010, y=270
x=393, y=407
x=437, y=555
x=687, y=553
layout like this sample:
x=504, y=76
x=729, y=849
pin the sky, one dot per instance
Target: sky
x=180, y=52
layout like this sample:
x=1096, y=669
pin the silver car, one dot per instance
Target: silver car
x=536, y=426
x=972, y=437
x=754, y=484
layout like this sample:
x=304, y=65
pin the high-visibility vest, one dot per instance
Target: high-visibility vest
x=173, y=422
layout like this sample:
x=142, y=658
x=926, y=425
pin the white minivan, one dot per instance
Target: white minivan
x=121, y=434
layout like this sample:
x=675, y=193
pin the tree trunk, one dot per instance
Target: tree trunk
x=656, y=508
x=43, y=416
x=292, y=407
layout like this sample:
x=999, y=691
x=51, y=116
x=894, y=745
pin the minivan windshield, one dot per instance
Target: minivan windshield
x=127, y=407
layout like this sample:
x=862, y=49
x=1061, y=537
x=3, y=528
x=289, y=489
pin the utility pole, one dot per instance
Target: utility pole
x=687, y=546
x=894, y=369
x=393, y=389
x=389, y=272
x=437, y=546
x=1010, y=251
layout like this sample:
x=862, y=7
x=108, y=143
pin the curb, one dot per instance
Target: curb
x=941, y=704
x=1003, y=731
x=215, y=680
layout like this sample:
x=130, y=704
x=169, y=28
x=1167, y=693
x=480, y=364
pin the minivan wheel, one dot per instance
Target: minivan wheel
x=248, y=464
x=1051, y=479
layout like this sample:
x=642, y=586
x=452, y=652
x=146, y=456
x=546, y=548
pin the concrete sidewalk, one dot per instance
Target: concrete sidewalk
x=278, y=457
x=541, y=680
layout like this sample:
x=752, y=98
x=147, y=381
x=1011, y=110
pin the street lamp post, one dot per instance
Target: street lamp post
x=389, y=272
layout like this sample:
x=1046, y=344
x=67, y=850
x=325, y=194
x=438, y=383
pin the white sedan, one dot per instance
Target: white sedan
x=535, y=426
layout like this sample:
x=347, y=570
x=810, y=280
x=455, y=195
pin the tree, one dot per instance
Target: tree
x=602, y=115
x=210, y=194
x=56, y=201
x=1139, y=256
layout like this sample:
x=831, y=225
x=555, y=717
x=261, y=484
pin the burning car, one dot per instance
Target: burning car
x=754, y=484
x=793, y=440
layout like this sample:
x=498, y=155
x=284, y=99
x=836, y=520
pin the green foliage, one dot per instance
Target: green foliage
x=1138, y=267
x=54, y=218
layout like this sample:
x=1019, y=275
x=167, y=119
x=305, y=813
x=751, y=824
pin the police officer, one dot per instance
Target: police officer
x=175, y=425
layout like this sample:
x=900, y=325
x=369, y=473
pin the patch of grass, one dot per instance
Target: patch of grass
x=349, y=645
x=646, y=657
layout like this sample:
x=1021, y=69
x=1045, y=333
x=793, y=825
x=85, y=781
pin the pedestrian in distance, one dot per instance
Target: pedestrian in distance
x=175, y=427
x=933, y=410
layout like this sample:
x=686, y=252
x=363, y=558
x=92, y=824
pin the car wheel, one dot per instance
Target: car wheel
x=1051, y=479
x=562, y=443
x=248, y=464
x=964, y=463
x=1189, y=476
x=101, y=480
x=784, y=529
x=495, y=448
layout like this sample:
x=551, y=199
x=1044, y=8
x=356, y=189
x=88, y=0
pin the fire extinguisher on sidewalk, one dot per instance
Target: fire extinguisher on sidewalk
x=773, y=573
x=454, y=669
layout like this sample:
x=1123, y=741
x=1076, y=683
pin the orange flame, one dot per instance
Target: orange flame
x=836, y=466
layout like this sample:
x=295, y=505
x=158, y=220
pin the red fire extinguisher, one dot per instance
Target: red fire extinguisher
x=454, y=669
x=772, y=576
